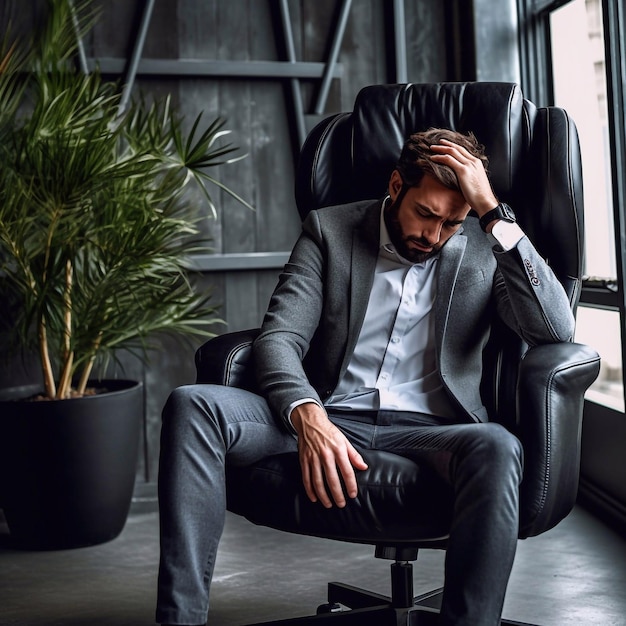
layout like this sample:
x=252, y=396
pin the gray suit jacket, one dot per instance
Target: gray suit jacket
x=316, y=312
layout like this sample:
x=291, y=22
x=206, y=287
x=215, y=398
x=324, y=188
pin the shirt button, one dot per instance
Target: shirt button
x=395, y=339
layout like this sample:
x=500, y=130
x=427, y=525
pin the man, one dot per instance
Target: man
x=373, y=339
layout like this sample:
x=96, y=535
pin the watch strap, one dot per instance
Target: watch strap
x=500, y=212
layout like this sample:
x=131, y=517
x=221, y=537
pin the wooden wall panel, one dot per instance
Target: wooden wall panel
x=259, y=111
x=365, y=50
x=427, y=54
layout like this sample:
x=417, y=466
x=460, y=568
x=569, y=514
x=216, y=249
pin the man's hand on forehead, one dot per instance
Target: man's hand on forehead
x=470, y=173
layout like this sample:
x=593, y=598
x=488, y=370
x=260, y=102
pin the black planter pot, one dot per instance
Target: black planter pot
x=67, y=467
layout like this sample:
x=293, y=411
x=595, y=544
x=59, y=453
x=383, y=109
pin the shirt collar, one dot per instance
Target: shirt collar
x=385, y=240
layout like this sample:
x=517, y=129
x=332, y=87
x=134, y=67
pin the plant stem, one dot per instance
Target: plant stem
x=84, y=377
x=46, y=365
x=65, y=380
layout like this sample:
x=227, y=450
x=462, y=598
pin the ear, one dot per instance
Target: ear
x=395, y=185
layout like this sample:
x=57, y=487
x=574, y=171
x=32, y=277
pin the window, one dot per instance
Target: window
x=601, y=329
x=579, y=86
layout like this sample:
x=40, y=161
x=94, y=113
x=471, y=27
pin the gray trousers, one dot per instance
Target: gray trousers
x=206, y=426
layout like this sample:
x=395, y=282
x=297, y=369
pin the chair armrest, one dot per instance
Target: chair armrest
x=227, y=360
x=550, y=395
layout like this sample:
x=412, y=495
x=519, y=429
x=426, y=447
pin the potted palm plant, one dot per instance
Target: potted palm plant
x=95, y=231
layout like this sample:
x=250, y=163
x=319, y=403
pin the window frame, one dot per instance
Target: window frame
x=537, y=83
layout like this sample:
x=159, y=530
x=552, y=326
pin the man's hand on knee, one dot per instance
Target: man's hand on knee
x=326, y=457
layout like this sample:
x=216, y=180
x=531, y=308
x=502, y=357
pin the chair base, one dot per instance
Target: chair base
x=367, y=608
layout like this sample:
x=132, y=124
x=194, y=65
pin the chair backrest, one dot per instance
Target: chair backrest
x=534, y=165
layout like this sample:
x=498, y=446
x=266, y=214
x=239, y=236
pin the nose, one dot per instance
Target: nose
x=433, y=233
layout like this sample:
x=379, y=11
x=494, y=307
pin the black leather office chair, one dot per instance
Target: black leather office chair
x=538, y=393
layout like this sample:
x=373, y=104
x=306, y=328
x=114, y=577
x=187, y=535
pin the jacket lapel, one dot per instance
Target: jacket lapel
x=364, y=255
x=450, y=259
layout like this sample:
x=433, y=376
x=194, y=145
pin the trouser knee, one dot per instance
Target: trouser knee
x=502, y=450
x=494, y=450
x=189, y=415
x=190, y=402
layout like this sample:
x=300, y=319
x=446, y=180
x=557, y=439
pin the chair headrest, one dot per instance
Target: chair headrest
x=385, y=115
x=352, y=156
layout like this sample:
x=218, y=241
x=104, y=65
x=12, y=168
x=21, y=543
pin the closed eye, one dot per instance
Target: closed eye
x=453, y=223
x=424, y=211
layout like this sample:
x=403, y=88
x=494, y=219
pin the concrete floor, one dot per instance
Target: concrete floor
x=574, y=574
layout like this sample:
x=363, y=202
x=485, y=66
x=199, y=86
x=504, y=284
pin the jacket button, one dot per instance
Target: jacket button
x=534, y=279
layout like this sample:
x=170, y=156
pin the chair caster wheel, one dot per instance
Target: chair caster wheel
x=328, y=608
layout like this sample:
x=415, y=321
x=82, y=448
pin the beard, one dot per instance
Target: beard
x=401, y=241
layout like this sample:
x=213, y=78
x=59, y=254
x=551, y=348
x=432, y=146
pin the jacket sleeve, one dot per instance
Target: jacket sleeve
x=529, y=297
x=291, y=320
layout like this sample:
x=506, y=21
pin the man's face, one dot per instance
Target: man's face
x=426, y=217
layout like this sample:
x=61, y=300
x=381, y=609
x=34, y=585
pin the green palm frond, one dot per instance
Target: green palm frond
x=95, y=223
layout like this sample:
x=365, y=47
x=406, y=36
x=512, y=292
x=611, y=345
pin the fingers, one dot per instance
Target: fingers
x=330, y=477
x=470, y=171
x=317, y=475
x=328, y=471
x=322, y=476
x=448, y=147
x=314, y=469
x=454, y=155
x=356, y=459
x=307, y=480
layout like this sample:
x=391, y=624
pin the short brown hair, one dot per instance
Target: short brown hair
x=415, y=159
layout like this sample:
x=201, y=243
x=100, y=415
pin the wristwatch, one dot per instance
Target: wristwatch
x=501, y=212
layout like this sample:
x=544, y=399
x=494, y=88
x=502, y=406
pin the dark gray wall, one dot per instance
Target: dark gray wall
x=259, y=111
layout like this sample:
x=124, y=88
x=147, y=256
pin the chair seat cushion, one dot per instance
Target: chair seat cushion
x=399, y=501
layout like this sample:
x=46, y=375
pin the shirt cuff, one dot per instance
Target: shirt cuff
x=506, y=234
